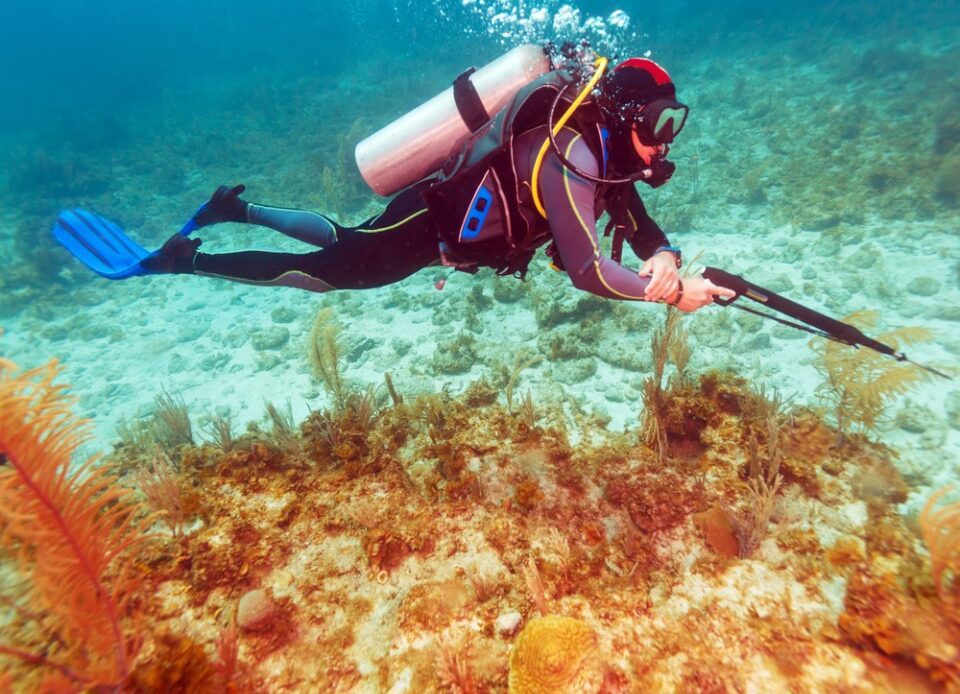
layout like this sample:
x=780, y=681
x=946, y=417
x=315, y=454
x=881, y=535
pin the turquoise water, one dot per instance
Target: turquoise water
x=822, y=160
x=822, y=119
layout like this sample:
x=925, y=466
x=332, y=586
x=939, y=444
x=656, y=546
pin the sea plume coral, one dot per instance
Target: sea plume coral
x=454, y=671
x=667, y=342
x=860, y=384
x=73, y=534
x=941, y=531
x=325, y=352
x=556, y=655
x=160, y=485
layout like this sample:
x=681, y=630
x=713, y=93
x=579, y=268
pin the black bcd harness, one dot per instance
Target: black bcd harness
x=483, y=173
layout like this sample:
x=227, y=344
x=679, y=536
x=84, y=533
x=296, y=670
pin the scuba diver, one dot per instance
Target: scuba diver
x=523, y=179
x=476, y=191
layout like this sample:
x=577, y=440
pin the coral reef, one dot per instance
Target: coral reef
x=474, y=526
x=43, y=173
x=454, y=542
x=948, y=178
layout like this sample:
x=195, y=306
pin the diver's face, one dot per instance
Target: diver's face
x=647, y=153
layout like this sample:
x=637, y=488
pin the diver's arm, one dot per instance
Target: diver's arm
x=568, y=201
x=645, y=236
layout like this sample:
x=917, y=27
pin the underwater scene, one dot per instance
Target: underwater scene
x=438, y=446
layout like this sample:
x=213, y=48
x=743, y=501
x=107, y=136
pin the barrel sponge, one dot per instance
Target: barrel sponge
x=555, y=655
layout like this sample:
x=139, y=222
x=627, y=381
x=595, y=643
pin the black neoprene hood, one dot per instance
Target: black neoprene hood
x=632, y=85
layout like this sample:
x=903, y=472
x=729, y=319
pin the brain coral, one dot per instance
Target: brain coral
x=555, y=655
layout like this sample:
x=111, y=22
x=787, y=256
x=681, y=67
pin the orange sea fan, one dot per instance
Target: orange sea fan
x=73, y=532
x=941, y=531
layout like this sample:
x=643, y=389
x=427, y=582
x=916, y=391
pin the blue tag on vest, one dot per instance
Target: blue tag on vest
x=477, y=214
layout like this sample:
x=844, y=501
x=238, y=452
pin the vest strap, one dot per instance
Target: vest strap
x=617, y=209
x=469, y=105
x=616, y=248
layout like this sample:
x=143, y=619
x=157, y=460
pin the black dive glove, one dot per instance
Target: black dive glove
x=223, y=206
x=176, y=255
x=659, y=172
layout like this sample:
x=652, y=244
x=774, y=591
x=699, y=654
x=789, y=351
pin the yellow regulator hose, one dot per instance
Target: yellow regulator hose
x=601, y=65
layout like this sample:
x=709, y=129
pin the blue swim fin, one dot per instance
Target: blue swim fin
x=103, y=246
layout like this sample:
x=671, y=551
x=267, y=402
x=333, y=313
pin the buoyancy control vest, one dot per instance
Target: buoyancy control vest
x=485, y=215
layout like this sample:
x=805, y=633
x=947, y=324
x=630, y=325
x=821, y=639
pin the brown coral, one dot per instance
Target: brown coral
x=717, y=528
x=554, y=655
x=179, y=665
x=878, y=613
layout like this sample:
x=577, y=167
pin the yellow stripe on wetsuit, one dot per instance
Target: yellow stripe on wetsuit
x=586, y=230
x=309, y=283
x=392, y=226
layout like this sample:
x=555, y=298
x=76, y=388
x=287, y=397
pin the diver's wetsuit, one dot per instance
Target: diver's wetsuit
x=572, y=210
x=384, y=249
x=403, y=239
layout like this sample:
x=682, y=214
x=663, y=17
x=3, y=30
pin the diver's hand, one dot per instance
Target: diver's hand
x=666, y=276
x=699, y=292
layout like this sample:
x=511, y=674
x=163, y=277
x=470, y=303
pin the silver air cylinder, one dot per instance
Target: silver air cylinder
x=417, y=144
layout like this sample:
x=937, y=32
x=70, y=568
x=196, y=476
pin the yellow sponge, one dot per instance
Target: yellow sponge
x=555, y=655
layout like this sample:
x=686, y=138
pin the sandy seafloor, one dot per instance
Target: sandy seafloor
x=123, y=343
x=191, y=336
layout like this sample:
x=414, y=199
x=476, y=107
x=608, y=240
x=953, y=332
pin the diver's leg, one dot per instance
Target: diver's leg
x=383, y=250
x=320, y=230
x=359, y=260
x=309, y=227
x=225, y=205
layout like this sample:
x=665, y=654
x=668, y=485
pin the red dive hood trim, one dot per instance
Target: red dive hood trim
x=660, y=76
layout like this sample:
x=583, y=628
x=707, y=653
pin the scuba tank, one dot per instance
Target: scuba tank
x=419, y=143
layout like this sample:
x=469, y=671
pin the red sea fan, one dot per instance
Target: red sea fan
x=74, y=534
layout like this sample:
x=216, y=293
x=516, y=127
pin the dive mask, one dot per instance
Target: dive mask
x=658, y=122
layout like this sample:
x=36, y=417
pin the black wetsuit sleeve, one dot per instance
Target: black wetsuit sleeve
x=644, y=235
